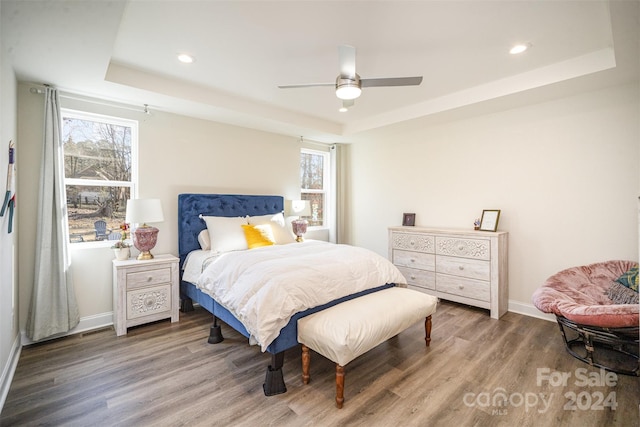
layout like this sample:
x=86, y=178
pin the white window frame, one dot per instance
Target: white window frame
x=326, y=187
x=133, y=184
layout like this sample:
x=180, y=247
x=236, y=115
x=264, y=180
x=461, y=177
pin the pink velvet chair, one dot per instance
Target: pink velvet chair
x=595, y=329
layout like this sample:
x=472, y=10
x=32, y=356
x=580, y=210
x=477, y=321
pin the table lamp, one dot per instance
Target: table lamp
x=298, y=208
x=143, y=211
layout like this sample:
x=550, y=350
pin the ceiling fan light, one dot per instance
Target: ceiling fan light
x=348, y=92
x=348, y=88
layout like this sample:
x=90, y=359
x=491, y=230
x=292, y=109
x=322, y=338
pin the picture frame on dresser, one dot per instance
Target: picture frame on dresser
x=489, y=221
x=408, y=219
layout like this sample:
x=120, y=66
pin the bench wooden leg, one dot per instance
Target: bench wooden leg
x=339, y=385
x=306, y=361
x=427, y=330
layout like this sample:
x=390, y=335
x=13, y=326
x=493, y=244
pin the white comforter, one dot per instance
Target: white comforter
x=264, y=287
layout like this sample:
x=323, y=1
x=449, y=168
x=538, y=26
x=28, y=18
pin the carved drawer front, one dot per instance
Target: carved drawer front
x=469, y=288
x=464, y=267
x=420, y=278
x=148, y=277
x=468, y=248
x=145, y=301
x=414, y=259
x=413, y=242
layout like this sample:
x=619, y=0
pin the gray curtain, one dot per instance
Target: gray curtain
x=53, y=307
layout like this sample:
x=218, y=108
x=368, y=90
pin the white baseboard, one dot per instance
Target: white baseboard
x=9, y=370
x=88, y=323
x=529, y=310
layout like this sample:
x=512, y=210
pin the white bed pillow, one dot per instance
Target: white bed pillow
x=204, y=240
x=225, y=233
x=282, y=231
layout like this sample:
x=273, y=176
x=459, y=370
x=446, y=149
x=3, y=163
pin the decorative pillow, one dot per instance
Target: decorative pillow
x=203, y=239
x=620, y=294
x=630, y=279
x=258, y=235
x=281, y=232
x=225, y=233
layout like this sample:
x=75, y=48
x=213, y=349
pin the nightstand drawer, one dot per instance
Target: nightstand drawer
x=146, y=301
x=414, y=260
x=420, y=278
x=464, y=287
x=148, y=277
x=464, y=267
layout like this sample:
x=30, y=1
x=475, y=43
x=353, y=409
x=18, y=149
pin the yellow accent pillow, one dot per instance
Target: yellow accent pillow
x=258, y=235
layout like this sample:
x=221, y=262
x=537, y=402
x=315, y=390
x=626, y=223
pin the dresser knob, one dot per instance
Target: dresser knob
x=412, y=243
x=412, y=260
x=149, y=279
x=413, y=277
x=461, y=287
x=460, y=248
x=461, y=267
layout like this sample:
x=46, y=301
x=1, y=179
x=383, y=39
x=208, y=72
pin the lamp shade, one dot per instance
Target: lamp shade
x=143, y=211
x=297, y=208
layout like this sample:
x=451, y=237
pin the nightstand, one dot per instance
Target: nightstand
x=145, y=291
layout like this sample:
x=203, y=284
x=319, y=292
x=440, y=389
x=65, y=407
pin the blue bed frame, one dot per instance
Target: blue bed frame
x=190, y=207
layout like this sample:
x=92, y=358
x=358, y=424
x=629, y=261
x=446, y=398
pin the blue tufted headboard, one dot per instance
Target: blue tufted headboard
x=191, y=205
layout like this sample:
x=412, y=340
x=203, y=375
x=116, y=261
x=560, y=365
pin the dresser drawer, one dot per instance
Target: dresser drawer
x=414, y=259
x=148, y=277
x=463, y=267
x=463, y=247
x=462, y=286
x=413, y=242
x=420, y=278
x=146, y=301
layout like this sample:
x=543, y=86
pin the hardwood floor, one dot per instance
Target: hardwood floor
x=166, y=374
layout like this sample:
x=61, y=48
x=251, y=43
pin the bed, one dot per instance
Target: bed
x=194, y=212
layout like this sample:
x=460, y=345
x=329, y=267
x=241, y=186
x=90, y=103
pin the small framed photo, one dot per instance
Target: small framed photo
x=489, y=221
x=409, y=219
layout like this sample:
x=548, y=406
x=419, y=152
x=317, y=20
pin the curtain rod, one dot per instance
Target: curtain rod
x=38, y=89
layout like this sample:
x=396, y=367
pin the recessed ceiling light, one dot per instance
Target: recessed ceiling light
x=519, y=48
x=343, y=109
x=185, y=58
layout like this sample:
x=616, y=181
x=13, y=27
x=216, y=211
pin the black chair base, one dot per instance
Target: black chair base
x=613, y=349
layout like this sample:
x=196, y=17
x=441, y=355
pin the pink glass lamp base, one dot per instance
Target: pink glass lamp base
x=144, y=239
x=299, y=228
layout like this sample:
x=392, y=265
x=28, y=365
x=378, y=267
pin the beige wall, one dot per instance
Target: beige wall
x=177, y=154
x=9, y=337
x=565, y=174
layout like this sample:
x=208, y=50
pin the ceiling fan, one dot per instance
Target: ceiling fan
x=349, y=85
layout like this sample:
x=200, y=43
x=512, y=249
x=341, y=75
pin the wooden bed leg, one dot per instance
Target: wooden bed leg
x=306, y=361
x=339, y=385
x=427, y=330
x=274, y=380
x=215, y=332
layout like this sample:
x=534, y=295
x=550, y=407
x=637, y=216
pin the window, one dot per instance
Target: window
x=100, y=161
x=315, y=184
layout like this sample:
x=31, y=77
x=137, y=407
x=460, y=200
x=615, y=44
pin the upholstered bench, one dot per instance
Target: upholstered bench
x=347, y=330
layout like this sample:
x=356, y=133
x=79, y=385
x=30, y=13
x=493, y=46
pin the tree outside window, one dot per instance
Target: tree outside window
x=314, y=184
x=99, y=163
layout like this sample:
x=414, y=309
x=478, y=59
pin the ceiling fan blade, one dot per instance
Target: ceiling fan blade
x=347, y=55
x=305, y=85
x=391, y=81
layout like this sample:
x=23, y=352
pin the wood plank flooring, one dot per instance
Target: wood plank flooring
x=166, y=374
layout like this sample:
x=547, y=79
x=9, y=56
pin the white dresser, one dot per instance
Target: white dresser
x=144, y=291
x=470, y=267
